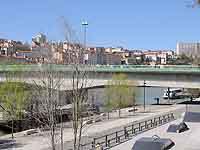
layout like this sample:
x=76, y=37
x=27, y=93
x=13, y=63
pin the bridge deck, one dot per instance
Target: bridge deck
x=102, y=68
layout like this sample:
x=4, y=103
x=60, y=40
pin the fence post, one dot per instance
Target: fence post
x=164, y=119
x=145, y=124
x=169, y=117
x=133, y=129
x=119, y=139
x=139, y=126
x=159, y=120
x=154, y=122
x=125, y=134
x=93, y=143
x=116, y=138
x=172, y=116
x=151, y=123
x=106, y=141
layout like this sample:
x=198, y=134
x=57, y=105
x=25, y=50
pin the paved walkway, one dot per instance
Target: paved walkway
x=188, y=140
x=41, y=142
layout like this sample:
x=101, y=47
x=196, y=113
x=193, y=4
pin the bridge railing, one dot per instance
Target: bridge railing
x=148, y=66
x=125, y=68
x=109, y=140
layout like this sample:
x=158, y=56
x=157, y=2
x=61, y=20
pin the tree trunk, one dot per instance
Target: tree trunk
x=61, y=130
x=12, y=128
x=75, y=124
x=108, y=115
x=53, y=142
x=80, y=134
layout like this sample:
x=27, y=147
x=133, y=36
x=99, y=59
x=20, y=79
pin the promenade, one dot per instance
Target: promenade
x=41, y=141
x=188, y=140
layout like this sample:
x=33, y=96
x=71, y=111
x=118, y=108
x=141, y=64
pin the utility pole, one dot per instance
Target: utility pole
x=85, y=24
x=144, y=95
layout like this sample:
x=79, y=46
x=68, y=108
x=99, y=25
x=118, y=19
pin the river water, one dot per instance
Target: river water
x=98, y=95
x=150, y=94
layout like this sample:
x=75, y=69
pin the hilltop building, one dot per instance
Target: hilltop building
x=189, y=49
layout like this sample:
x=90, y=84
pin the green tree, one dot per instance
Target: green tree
x=120, y=93
x=182, y=60
x=13, y=100
x=196, y=61
x=108, y=100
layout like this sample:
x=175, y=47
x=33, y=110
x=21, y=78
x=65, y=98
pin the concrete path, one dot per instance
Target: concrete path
x=188, y=140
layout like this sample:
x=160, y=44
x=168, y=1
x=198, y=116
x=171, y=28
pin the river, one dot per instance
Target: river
x=98, y=95
x=150, y=94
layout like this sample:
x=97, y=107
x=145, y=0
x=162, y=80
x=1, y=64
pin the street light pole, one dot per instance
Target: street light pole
x=144, y=95
x=85, y=24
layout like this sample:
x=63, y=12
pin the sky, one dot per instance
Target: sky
x=137, y=24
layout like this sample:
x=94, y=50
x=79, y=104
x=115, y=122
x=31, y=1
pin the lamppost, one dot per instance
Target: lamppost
x=144, y=95
x=85, y=24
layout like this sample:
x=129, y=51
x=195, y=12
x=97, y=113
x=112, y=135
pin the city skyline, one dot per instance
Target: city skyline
x=139, y=24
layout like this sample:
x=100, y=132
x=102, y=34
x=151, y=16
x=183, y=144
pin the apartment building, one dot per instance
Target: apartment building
x=190, y=49
x=7, y=47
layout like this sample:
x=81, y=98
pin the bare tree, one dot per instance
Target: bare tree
x=73, y=50
x=79, y=97
x=47, y=102
x=49, y=83
x=79, y=82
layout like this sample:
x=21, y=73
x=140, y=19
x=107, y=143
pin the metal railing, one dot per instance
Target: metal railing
x=104, y=68
x=110, y=140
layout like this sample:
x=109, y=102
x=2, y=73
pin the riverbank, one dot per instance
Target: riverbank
x=40, y=141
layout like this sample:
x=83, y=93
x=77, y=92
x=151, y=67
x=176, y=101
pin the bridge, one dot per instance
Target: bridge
x=185, y=76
